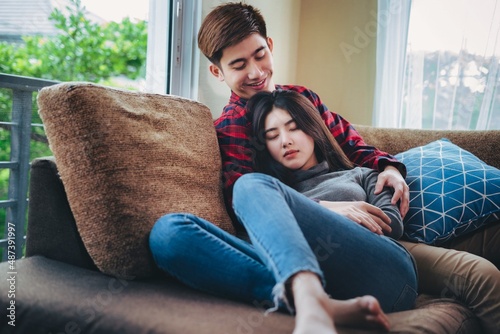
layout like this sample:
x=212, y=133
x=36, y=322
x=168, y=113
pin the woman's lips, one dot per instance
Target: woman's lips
x=290, y=152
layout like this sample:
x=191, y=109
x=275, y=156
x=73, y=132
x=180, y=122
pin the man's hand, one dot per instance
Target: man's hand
x=362, y=213
x=392, y=178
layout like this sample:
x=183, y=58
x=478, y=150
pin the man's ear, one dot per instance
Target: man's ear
x=216, y=72
x=270, y=43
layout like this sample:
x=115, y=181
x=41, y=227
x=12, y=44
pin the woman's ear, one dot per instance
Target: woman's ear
x=216, y=72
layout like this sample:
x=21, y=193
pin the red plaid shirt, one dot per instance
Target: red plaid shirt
x=234, y=130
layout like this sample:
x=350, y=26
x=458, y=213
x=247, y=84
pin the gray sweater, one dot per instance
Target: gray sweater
x=357, y=184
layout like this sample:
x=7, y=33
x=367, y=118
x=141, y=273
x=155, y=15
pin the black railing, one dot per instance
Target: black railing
x=16, y=204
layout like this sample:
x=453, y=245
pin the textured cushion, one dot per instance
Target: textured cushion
x=452, y=192
x=127, y=158
x=51, y=225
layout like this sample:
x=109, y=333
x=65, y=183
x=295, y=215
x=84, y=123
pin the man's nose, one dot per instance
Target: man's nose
x=254, y=70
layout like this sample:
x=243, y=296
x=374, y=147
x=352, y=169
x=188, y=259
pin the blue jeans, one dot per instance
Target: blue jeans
x=288, y=233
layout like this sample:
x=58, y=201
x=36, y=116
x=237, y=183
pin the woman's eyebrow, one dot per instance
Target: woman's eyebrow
x=286, y=123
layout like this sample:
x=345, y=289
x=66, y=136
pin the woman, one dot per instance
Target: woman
x=283, y=115
x=300, y=256
x=296, y=148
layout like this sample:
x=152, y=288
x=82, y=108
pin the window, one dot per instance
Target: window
x=450, y=75
x=173, y=55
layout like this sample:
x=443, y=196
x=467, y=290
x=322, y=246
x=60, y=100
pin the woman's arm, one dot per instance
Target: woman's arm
x=362, y=213
x=383, y=200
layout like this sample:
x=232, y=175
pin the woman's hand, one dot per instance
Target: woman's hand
x=392, y=178
x=362, y=213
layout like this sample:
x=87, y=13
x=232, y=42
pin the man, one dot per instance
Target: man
x=234, y=38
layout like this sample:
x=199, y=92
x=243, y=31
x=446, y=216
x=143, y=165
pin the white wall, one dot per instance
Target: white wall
x=337, y=55
x=326, y=45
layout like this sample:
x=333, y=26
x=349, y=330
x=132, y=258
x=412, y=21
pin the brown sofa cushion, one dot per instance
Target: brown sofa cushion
x=395, y=141
x=51, y=225
x=127, y=158
x=53, y=297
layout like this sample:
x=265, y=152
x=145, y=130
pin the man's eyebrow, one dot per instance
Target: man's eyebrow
x=243, y=59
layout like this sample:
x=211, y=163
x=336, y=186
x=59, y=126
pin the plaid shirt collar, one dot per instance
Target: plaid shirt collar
x=237, y=100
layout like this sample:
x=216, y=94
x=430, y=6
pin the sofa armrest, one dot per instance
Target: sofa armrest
x=52, y=230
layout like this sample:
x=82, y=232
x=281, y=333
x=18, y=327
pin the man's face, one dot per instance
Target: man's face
x=247, y=67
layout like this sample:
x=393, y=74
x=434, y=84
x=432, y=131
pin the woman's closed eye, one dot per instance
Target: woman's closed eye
x=271, y=136
x=292, y=126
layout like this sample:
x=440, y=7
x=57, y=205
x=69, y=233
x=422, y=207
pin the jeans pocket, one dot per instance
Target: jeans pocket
x=406, y=300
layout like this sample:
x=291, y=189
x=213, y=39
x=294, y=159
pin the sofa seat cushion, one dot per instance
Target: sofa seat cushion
x=54, y=297
x=126, y=159
x=441, y=316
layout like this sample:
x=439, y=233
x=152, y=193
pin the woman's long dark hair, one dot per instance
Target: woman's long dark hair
x=306, y=117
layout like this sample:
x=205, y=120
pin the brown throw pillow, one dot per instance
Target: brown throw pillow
x=127, y=158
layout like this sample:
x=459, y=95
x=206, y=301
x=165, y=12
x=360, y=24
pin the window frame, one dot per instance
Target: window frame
x=173, y=56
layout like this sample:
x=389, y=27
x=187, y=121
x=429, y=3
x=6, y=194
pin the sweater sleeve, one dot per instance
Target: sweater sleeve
x=383, y=201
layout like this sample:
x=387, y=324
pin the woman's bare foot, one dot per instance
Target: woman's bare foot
x=317, y=313
x=360, y=312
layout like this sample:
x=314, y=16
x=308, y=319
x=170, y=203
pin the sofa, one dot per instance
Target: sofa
x=68, y=283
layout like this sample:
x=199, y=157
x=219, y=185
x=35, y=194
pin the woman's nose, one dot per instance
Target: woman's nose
x=286, y=140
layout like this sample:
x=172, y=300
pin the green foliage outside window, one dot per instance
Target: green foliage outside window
x=81, y=51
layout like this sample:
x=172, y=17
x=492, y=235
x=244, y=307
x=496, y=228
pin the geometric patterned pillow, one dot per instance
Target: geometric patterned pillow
x=452, y=192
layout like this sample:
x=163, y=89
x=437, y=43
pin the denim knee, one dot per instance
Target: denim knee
x=247, y=183
x=165, y=235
